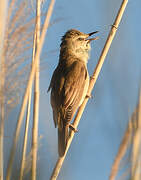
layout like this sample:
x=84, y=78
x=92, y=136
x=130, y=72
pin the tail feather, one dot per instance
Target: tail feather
x=63, y=135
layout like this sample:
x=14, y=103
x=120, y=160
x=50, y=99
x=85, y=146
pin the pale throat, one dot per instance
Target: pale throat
x=82, y=54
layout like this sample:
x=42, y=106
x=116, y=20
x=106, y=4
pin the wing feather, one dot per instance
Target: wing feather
x=74, y=87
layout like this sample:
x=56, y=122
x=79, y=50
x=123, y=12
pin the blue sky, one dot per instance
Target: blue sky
x=115, y=95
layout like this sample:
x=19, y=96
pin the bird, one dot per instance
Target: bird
x=69, y=82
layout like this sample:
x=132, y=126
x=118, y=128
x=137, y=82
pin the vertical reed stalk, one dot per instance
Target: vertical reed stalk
x=2, y=116
x=25, y=138
x=92, y=83
x=27, y=119
x=36, y=99
x=3, y=10
x=126, y=141
x=136, y=150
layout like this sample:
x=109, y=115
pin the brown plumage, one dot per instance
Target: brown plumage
x=69, y=83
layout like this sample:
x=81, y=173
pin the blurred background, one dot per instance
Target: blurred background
x=115, y=95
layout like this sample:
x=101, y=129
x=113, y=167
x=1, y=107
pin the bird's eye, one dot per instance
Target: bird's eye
x=80, y=39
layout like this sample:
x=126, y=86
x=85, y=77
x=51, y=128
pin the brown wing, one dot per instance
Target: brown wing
x=73, y=89
x=56, y=85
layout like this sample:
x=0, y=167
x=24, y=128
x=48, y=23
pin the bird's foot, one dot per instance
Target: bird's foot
x=89, y=96
x=73, y=128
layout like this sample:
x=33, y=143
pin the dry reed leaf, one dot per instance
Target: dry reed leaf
x=132, y=140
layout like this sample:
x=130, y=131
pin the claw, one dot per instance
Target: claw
x=89, y=96
x=73, y=128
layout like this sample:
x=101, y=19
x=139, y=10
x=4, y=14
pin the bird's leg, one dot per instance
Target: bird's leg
x=73, y=128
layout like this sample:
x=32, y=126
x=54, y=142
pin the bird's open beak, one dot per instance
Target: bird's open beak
x=90, y=34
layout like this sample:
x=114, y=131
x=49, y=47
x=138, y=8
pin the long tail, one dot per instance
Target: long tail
x=63, y=135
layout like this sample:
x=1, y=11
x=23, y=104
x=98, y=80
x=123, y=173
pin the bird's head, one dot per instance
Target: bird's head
x=77, y=43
